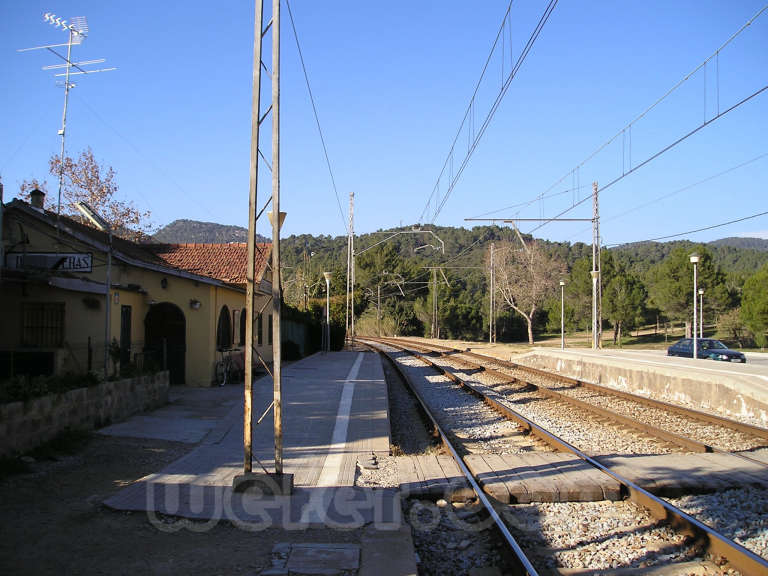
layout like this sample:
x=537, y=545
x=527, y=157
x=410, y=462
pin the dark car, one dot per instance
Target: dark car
x=707, y=348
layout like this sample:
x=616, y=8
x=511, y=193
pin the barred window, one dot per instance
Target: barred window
x=42, y=324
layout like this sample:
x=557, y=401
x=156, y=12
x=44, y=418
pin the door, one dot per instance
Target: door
x=165, y=330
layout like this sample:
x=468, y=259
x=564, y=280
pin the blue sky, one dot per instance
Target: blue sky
x=392, y=82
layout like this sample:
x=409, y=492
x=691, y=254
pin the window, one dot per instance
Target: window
x=243, y=316
x=260, y=331
x=269, y=331
x=224, y=329
x=42, y=324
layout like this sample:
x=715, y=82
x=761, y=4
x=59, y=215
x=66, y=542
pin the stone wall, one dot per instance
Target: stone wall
x=25, y=425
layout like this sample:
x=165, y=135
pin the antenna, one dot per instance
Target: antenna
x=77, y=28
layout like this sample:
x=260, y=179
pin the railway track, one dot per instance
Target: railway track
x=699, y=535
x=682, y=427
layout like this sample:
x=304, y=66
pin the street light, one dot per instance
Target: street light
x=327, y=276
x=562, y=315
x=695, y=260
x=104, y=226
x=701, y=312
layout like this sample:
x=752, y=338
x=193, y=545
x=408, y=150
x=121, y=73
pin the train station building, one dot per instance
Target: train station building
x=172, y=305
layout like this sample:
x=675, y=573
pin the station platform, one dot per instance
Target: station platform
x=737, y=391
x=335, y=409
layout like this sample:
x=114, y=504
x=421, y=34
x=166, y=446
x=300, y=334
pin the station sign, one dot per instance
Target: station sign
x=58, y=261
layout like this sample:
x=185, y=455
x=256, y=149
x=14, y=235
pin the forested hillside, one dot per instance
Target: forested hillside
x=641, y=283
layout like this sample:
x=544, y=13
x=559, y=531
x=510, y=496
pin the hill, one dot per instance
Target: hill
x=759, y=244
x=194, y=231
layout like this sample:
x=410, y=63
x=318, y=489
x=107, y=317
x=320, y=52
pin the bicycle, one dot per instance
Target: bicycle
x=224, y=370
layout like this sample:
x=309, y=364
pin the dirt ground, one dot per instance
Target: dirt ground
x=52, y=520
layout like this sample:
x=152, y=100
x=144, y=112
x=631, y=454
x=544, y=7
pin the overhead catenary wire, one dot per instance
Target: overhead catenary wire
x=713, y=226
x=656, y=155
x=715, y=55
x=468, y=119
x=317, y=118
x=674, y=192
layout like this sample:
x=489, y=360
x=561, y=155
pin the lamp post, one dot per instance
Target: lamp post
x=327, y=276
x=701, y=312
x=562, y=315
x=695, y=260
x=104, y=226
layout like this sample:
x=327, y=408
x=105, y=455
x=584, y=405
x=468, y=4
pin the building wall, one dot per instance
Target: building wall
x=140, y=288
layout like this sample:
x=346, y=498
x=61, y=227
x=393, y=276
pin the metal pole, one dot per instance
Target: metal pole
x=562, y=315
x=490, y=298
x=349, y=263
x=276, y=289
x=63, y=130
x=378, y=309
x=2, y=243
x=250, y=293
x=107, y=287
x=595, y=273
x=594, y=309
x=327, y=276
x=695, y=341
x=352, y=263
x=701, y=313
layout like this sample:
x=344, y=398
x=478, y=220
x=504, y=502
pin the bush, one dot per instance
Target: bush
x=23, y=388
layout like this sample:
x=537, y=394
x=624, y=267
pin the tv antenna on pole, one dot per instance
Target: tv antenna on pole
x=77, y=28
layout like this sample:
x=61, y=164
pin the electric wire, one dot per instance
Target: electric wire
x=469, y=114
x=314, y=111
x=673, y=193
x=645, y=112
x=656, y=155
x=685, y=188
x=752, y=216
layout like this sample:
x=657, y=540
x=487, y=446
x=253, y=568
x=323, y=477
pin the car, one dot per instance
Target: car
x=707, y=348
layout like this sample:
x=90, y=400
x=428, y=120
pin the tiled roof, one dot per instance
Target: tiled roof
x=222, y=262
x=225, y=262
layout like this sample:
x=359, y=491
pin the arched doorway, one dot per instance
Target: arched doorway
x=224, y=329
x=165, y=328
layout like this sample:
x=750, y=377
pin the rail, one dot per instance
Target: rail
x=718, y=545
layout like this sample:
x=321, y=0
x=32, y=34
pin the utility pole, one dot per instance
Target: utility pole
x=349, y=264
x=279, y=483
x=491, y=297
x=378, y=300
x=250, y=289
x=434, y=331
x=352, y=265
x=276, y=224
x=596, y=288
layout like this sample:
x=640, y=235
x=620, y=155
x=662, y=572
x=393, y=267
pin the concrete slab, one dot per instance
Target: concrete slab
x=199, y=485
x=190, y=415
x=387, y=553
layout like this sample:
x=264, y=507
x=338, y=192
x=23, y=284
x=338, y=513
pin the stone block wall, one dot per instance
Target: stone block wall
x=25, y=425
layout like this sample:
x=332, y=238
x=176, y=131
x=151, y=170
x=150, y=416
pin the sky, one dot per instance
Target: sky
x=392, y=82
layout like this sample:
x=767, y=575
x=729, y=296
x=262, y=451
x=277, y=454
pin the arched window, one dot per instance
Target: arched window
x=224, y=329
x=243, y=316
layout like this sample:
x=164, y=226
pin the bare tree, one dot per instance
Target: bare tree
x=525, y=277
x=85, y=180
